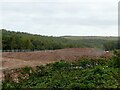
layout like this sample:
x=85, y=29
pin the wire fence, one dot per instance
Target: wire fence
x=22, y=50
x=17, y=50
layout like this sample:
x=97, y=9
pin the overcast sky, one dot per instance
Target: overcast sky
x=61, y=17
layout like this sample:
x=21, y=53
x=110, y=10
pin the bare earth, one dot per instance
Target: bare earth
x=20, y=59
x=11, y=60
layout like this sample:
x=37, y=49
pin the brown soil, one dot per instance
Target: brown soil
x=11, y=60
x=20, y=59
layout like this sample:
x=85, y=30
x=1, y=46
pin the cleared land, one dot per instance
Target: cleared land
x=11, y=60
x=20, y=59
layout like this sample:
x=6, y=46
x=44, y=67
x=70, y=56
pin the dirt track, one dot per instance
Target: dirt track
x=20, y=59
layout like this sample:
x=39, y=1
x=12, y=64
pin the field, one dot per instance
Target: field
x=20, y=59
x=12, y=60
x=89, y=37
x=35, y=61
x=90, y=68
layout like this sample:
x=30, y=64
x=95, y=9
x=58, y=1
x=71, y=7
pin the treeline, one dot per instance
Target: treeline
x=24, y=41
x=0, y=39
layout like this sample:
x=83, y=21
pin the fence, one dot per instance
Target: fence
x=20, y=50
x=17, y=50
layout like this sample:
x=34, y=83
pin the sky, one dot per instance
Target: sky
x=60, y=17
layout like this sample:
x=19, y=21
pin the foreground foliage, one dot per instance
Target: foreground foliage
x=84, y=73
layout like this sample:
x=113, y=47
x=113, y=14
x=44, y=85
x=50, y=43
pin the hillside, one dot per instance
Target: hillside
x=58, y=62
x=90, y=37
x=22, y=41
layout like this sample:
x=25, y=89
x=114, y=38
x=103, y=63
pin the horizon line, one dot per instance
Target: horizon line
x=61, y=35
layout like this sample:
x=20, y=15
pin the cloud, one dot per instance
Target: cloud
x=61, y=17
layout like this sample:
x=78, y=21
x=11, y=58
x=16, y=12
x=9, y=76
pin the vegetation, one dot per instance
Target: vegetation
x=84, y=73
x=24, y=41
x=0, y=40
x=90, y=37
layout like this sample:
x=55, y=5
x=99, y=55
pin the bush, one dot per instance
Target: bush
x=63, y=75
